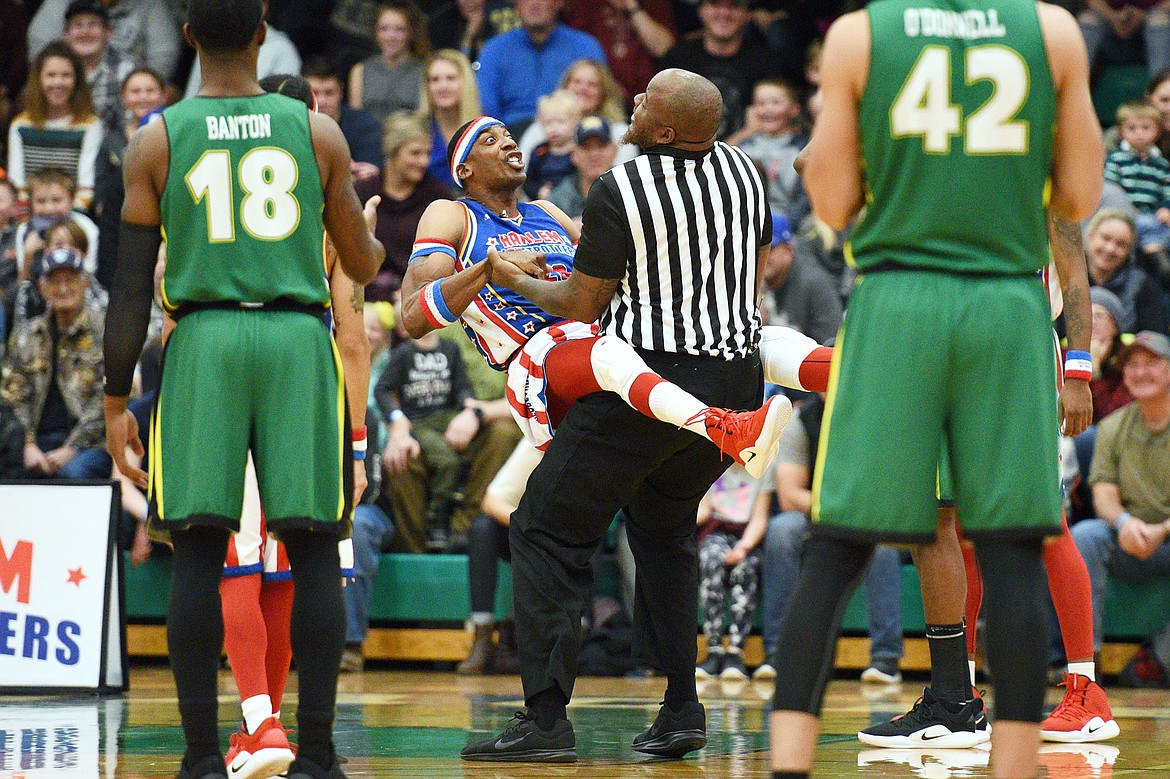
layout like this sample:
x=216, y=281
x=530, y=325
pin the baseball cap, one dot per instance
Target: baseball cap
x=593, y=127
x=95, y=7
x=781, y=228
x=1151, y=341
x=63, y=257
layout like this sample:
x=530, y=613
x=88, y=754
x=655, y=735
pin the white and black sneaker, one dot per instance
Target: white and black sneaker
x=526, y=742
x=933, y=723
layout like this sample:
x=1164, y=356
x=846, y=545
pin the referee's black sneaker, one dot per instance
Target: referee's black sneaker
x=526, y=742
x=675, y=733
x=303, y=768
x=211, y=767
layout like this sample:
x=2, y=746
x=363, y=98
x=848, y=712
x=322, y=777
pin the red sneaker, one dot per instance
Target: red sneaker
x=752, y=438
x=1083, y=715
x=263, y=754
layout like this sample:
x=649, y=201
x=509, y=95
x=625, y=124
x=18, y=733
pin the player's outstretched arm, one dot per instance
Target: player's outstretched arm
x=1078, y=155
x=359, y=252
x=433, y=294
x=144, y=173
x=831, y=163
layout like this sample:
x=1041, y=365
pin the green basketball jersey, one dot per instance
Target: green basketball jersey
x=242, y=208
x=956, y=127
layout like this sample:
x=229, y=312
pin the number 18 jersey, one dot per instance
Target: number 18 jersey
x=956, y=128
x=242, y=208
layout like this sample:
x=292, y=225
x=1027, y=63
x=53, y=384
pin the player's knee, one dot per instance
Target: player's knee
x=615, y=363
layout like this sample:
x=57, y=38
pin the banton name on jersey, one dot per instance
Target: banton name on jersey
x=239, y=128
x=968, y=25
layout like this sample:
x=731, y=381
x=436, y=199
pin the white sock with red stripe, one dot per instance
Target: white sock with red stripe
x=792, y=359
x=618, y=368
x=256, y=709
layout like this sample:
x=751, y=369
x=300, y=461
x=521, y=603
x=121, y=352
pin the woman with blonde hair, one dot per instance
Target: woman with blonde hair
x=406, y=187
x=450, y=99
x=389, y=81
x=598, y=95
x=58, y=128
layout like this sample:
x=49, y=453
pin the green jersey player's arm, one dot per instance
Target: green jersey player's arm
x=144, y=172
x=831, y=163
x=1078, y=156
x=359, y=252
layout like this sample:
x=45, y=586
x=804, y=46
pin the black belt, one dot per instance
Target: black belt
x=282, y=304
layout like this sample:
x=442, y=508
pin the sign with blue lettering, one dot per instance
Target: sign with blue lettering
x=62, y=620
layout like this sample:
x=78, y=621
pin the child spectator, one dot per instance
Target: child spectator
x=423, y=394
x=733, y=517
x=558, y=115
x=52, y=193
x=1141, y=170
x=772, y=137
x=58, y=128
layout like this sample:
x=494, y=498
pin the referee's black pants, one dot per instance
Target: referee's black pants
x=606, y=456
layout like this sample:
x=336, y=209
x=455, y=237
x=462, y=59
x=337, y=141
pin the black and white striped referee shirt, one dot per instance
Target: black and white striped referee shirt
x=682, y=230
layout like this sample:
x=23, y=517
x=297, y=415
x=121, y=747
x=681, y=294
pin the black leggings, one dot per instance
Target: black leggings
x=486, y=542
x=195, y=635
x=1014, y=587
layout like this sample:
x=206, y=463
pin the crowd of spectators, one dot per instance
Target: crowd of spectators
x=78, y=77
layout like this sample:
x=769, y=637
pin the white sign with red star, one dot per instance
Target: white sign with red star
x=61, y=623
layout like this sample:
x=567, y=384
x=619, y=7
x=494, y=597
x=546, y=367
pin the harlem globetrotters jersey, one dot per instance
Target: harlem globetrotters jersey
x=500, y=321
x=959, y=103
x=242, y=209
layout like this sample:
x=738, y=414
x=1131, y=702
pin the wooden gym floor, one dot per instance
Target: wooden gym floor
x=412, y=724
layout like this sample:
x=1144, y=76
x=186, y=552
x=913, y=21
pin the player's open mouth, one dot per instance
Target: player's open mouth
x=515, y=159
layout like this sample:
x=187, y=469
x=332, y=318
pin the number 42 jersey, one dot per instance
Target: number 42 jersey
x=242, y=208
x=956, y=126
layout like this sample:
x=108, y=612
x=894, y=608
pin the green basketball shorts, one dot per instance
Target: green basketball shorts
x=929, y=360
x=265, y=381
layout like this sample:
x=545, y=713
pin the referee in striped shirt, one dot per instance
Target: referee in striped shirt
x=668, y=261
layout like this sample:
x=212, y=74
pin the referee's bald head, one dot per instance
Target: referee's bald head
x=679, y=108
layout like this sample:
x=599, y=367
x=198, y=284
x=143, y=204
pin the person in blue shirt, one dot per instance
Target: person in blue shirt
x=517, y=67
x=362, y=132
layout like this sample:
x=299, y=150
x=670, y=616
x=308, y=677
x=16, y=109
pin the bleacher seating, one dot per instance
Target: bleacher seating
x=421, y=602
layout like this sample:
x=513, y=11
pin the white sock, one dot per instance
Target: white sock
x=971, y=668
x=616, y=366
x=1085, y=668
x=482, y=618
x=675, y=406
x=256, y=709
x=783, y=350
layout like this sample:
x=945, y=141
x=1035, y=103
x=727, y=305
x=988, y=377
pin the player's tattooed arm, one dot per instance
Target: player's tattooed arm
x=358, y=298
x=1068, y=253
x=1076, y=400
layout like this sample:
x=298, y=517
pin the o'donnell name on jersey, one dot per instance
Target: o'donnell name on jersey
x=967, y=25
x=239, y=128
